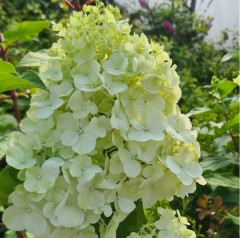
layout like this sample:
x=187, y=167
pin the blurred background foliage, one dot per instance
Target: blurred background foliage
x=209, y=92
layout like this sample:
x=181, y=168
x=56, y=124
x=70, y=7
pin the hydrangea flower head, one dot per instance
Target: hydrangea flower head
x=107, y=133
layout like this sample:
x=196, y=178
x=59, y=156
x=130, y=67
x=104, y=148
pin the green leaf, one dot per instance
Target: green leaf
x=4, y=139
x=32, y=77
x=34, y=59
x=228, y=56
x=216, y=162
x=7, y=122
x=225, y=87
x=133, y=222
x=24, y=31
x=9, y=82
x=6, y=67
x=198, y=110
x=10, y=234
x=230, y=196
x=232, y=124
x=235, y=219
x=8, y=178
x=235, y=105
x=224, y=180
x=221, y=141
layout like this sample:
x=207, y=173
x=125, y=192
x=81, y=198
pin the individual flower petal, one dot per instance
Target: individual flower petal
x=85, y=76
x=125, y=205
x=116, y=64
x=114, y=84
x=85, y=54
x=173, y=165
x=20, y=158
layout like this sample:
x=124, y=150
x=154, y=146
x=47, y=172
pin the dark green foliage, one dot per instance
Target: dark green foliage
x=135, y=220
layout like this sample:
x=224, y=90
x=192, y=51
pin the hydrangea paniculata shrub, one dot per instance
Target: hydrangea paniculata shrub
x=107, y=133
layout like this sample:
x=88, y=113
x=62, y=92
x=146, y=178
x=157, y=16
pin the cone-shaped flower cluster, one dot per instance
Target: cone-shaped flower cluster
x=108, y=132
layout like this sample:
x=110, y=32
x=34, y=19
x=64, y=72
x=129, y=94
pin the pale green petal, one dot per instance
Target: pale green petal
x=66, y=121
x=63, y=89
x=137, y=135
x=97, y=199
x=125, y=205
x=131, y=168
x=85, y=76
x=54, y=70
x=156, y=120
x=148, y=102
x=107, y=211
x=116, y=64
x=35, y=223
x=69, y=216
x=84, y=145
x=156, y=135
x=173, y=165
x=69, y=138
x=113, y=84
x=85, y=54
x=184, y=177
x=152, y=83
x=51, y=168
x=91, y=217
x=119, y=118
x=193, y=169
x=90, y=172
x=33, y=179
x=188, y=136
x=20, y=158
x=14, y=218
x=44, y=112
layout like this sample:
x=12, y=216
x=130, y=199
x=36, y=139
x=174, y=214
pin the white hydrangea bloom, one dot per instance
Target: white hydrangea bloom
x=107, y=133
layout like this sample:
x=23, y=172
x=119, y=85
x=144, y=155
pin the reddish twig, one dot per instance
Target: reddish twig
x=76, y=6
x=20, y=234
x=1, y=224
x=3, y=98
x=15, y=105
x=235, y=143
x=69, y=4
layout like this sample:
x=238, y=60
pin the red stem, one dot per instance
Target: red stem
x=69, y=4
x=15, y=105
x=76, y=6
x=20, y=234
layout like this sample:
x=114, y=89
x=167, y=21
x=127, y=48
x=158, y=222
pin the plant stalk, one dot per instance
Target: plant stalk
x=230, y=131
x=20, y=234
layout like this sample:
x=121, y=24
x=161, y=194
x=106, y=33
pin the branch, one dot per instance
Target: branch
x=69, y=4
x=76, y=6
x=20, y=234
x=15, y=105
x=230, y=131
